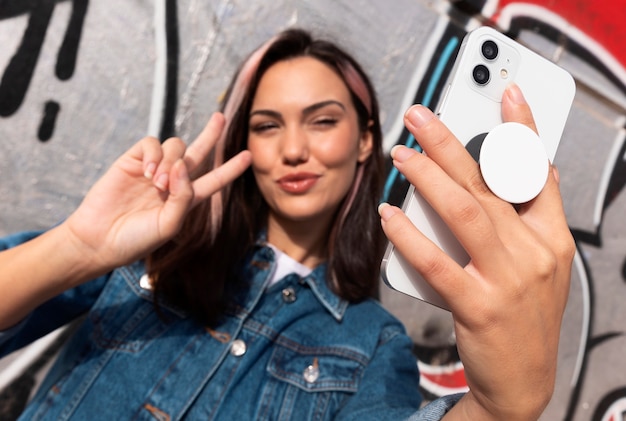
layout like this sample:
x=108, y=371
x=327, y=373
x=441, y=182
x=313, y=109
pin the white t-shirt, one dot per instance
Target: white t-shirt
x=286, y=265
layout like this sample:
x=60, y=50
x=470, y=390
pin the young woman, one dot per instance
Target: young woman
x=235, y=281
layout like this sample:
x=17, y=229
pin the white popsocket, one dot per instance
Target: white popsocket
x=514, y=163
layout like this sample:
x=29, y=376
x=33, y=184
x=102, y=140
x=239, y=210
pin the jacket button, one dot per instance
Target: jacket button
x=238, y=348
x=145, y=282
x=312, y=372
x=289, y=295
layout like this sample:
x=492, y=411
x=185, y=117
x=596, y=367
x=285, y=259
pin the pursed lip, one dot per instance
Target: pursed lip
x=298, y=183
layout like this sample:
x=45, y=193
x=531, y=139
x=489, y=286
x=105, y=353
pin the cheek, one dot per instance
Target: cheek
x=338, y=153
x=341, y=161
x=261, y=158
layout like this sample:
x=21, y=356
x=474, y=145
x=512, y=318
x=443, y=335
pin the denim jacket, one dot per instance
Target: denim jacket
x=293, y=351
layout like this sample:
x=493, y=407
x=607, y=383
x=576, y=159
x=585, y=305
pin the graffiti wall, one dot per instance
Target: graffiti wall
x=82, y=80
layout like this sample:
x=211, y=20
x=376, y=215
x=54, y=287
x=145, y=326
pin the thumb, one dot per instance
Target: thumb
x=515, y=108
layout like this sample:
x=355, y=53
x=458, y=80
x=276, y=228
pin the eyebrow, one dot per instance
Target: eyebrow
x=305, y=111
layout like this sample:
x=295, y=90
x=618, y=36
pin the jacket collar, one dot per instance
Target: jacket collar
x=317, y=280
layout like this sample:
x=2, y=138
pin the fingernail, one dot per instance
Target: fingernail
x=181, y=168
x=515, y=94
x=161, y=182
x=418, y=115
x=386, y=211
x=401, y=153
x=149, y=172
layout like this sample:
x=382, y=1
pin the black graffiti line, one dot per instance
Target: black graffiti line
x=68, y=53
x=18, y=75
x=12, y=9
x=65, y=66
x=171, y=79
x=46, y=127
x=19, y=72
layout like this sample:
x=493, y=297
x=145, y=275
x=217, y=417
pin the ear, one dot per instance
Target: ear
x=366, y=143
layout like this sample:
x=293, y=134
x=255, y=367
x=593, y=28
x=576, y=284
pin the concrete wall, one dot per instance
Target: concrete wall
x=83, y=80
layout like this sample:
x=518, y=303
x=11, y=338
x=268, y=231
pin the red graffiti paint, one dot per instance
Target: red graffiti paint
x=597, y=25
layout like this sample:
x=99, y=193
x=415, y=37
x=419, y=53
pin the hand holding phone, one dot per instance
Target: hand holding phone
x=508, y=302
x=471, y=108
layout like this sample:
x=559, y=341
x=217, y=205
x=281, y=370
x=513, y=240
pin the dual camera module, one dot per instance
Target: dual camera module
x=481, y=74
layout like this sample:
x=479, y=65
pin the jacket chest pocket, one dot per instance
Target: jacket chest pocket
x=311, y=383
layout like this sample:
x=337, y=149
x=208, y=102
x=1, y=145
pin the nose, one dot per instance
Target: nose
x=295, y=146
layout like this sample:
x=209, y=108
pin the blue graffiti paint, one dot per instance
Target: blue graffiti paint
x=447, y=53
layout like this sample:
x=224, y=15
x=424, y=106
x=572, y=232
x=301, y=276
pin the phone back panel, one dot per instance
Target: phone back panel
x=470, y=110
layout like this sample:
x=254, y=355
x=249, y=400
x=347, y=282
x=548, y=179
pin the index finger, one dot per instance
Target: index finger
x=219, y=177
x=442, y=146
x=200, y=148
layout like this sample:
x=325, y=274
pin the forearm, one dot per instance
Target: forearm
x=40, y=269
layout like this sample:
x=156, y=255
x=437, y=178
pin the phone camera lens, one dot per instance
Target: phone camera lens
x=481, y=74
x=489, y=50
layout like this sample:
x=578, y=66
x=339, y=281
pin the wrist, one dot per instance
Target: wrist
x=470, y=408
x=81, y=260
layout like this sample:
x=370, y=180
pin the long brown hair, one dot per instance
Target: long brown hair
x=198, y=269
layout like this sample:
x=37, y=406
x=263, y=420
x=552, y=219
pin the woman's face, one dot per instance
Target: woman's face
x=305, y=141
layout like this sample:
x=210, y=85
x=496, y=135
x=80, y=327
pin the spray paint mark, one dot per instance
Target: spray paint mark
x=18, y=74
x=171, y=89
x=46, y=128
x=68, y=53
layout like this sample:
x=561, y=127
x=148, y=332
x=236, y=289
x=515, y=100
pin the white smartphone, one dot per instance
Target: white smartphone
x=470, y=107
